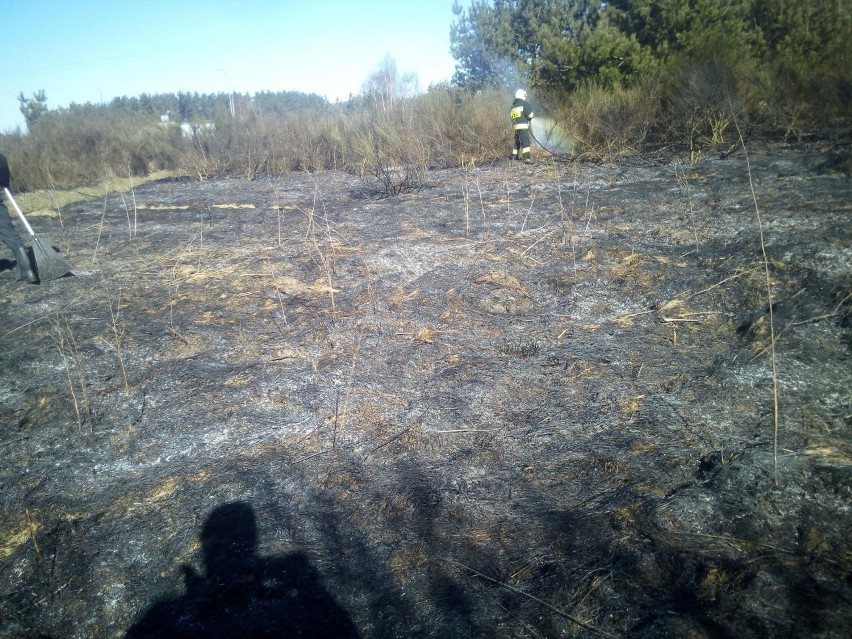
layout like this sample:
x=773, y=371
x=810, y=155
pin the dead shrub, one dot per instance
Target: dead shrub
x=393, y=159
x=707, y=93
x=84, y=143
x=326, y=143
x=254, y=146
x=203, y=154
x=611, y=123
x=463, y=127
x=391, y=144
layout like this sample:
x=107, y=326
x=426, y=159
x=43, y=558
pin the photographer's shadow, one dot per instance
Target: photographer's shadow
x=244, y=595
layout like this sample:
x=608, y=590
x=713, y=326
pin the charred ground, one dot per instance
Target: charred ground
x=519, y=402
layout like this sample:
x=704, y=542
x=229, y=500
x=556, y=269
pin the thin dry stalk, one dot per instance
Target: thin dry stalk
x=825, y=315
x=201, y=238
x=81, y=377
x=31, y=527
x=591, y=211
x=61, y=346
x=681, y=178
x=131, y=229
x=559, y=198
x=133, y=197
x=784, y=330
x=325, y=262
x=519, y=620
x=481, y=205
x=466, y=170
x=508, y=194
x=775, y=415
x=683, y=297
x=387, y=442
x=278, y=292
x=349, y=384
x=277, y=203
x=716, y=285
x=529, y=210
x=51, y=190
x=571, y=218
x=100, y=228
x=117, y=336
x=543, y=237
x=127, y=211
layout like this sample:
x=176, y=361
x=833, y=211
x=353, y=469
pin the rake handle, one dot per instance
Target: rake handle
x=18, y=211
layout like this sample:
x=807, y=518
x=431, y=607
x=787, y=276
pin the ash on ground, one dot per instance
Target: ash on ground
x=517, y=402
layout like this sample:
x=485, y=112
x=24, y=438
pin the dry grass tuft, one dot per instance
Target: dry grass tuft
x=399, y=298
x=425, y=336
x=164, y=489
x=12, y=540
x=632, y=405
x=503, y=279
x=293, y=286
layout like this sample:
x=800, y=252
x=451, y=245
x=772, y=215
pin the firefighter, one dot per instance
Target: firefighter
x=9, y=235
x=521, y=115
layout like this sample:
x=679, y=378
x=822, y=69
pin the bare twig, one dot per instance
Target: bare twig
x=562, y=613
x=469, y=430
x=688, y=297
x=543, y=237
x=800, y=323
x=392, y=439
x=825, y=315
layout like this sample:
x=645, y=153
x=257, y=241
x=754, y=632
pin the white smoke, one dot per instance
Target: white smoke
x=552, y=137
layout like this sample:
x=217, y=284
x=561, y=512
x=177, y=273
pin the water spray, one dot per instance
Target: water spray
x=550, y=137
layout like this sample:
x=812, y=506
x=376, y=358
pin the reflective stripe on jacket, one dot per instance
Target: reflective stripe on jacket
x=521, y=114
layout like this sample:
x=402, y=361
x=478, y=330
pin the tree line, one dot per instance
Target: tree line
x=619, y=76
x=777, y=58
x=182, y=106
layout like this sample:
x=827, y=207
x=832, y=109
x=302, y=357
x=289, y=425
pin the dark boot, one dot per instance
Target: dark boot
x=25, y=269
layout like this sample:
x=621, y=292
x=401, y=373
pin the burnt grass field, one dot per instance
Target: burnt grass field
x=515, y=402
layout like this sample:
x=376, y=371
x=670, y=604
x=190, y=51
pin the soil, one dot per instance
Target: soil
x=520, y=401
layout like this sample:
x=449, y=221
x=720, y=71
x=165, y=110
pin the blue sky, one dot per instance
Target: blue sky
x=94, y=50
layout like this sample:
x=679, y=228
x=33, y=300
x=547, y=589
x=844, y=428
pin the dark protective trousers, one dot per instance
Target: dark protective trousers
x=522, y=144
x=8, y=234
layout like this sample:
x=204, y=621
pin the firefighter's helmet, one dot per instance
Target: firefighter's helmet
x=520, y=94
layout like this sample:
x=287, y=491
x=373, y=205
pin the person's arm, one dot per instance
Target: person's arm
x=5, y=174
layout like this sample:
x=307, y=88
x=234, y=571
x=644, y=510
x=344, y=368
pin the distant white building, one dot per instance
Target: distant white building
x=187, y=129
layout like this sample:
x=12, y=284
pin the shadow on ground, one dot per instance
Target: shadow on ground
x=241, y=594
